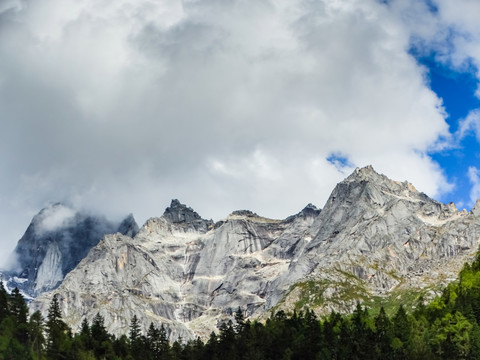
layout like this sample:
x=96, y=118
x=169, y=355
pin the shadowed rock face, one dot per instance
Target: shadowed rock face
x=186, y=217
x=128, y=226
x=190, y=275
x=56, y=240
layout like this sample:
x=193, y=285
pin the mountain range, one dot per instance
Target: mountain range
x=376, y=241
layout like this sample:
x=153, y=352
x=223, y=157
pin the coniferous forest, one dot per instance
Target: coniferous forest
x=446, y=328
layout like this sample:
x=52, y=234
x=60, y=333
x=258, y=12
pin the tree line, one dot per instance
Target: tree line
x=446, y=328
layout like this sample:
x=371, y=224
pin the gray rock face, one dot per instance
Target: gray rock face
x=180, y=274
x=386, y=234
x=191, y=274
x=178, y=213
x=128, y=226
x=56, y=240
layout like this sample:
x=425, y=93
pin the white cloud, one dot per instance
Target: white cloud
x=123, y=105
x=55, y=217
x=474, y=177
x=470, y=124
x=451, y=30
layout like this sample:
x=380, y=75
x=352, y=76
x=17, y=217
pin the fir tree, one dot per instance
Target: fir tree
x=239, y=321
x=101, y=342
x=138, y=342
x=383, y=334
x=58, y=333
x=19, y=311
x=4, y=311
x=35, y=334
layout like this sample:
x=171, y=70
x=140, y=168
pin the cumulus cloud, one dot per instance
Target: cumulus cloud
x=474, y=177
x=471, y=124
x=123, y=105
x=449, y=29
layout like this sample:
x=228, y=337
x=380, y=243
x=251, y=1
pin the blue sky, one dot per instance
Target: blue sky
x=457, y=91
x=452, y=73
x=118, y=107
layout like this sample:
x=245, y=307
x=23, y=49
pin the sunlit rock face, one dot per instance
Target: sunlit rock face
x=183, y=271
x=382, y=235
x=191, y=274
x=56, y=240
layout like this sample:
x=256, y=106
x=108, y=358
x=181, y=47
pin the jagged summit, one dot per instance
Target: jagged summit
x=128, y=226
x=367, y=184
x=180, y=214
x=364, y=173
x=309, y=211
x=368, y=200
x=368, y=174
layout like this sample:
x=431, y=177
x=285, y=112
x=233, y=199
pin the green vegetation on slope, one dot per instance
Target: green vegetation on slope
x=344, y=294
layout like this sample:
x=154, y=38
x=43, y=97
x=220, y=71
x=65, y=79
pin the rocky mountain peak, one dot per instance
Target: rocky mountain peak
x=180, y=214
x=374, y=188
x=310, y=209
x=364, y=183
x=128, y=226
x=56, y=240
x=365, y=173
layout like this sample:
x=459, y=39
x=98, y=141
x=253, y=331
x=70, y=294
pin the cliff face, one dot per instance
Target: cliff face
x=373, y=238
x=56, y=240
x=377, y=238
x=187, y=274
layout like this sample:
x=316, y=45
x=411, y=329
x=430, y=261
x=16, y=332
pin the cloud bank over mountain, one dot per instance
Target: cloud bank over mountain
x=121, y=105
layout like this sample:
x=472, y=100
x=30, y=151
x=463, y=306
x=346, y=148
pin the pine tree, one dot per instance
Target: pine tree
x=121, y=347
x=35, y=333
x=134, y=333
x=138, y=342
x=383, y=334
x=4, y=311
x=401, y=325
x=211, y=348
x=401, y=332
x=84, y=338
x=176, y=350
x=57, y=332
x=153, y=341
x=19, y=311
x=226, y=344
x=101, y=341
x=163, y=342
x=85, y=328
x=239, y=321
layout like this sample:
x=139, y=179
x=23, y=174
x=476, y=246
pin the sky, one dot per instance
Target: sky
x=116, y=107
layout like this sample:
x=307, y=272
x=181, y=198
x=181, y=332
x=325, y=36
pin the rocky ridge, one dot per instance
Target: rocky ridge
x=375, y=237
x=378, y=237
